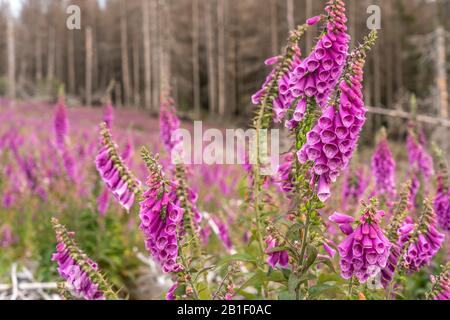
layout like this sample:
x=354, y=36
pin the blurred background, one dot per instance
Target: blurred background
x=214, y=51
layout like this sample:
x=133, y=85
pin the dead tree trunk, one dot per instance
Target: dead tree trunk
x=124, y=53
x=290, y=10
x=147, y=56
x=11, y=56
x=71, y=62
x=89, y=46
x=155, y=53
x=309, y=36
x=195, y=56
x=221, y=55
x=441, y=72
x=212, y=86
x=274, y=26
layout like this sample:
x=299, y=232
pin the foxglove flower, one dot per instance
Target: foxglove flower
x=441, y=285
x=442, y=204
x=171, y=293
x=81, y=273
x=118, y=178
x=383, y=169
x=422, y=242
x=161, y=215
x=277, y=258
x=365, y=251
x=331, y=142
x=102, y=202
x=318, y=74
x=61, y=123
x=169, y=123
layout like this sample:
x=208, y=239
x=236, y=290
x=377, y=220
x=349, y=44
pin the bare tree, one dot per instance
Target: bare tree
x=88, y=74
x=11, y=56
x=147, y=57
x=221, y=8
x=195, y=56
x=211, y=60
x=124, y=53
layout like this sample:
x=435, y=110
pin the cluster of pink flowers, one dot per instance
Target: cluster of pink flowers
x=365, y=251
x=77, y=278
x=318, y=74
x=114, y=173
x=426, y=242
x=330, y=144
x=442, y=204
x=277, y=258
x=383, y=169
x=75, y=267
x=61, y=123
x=441, y=285
x=161, y=216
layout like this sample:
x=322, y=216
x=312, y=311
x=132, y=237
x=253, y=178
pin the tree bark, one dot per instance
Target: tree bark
x=221, y=7
x=274, y=26
x=290, y=14
x=155, y=54
x=212, y=86
x=89, y=56
x=71, y=62
x=147, y=55
x=11, y=56
x=309, y=36
x=124, y=53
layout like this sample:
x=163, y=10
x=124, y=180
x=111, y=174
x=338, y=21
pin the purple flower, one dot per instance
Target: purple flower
x=102, y=202
x=7, y=237
x=171, y=293
x=161, y=216
x=80, y=272
x=317, y=75
x=441, y=285
x=169, y=123
x=427, y=241
x=284, y=179
x=383, y=169
x=442, y=204
x=61, y=124
x=331, y=142
x=280, y=258
x=114, y=173
x=365, y=251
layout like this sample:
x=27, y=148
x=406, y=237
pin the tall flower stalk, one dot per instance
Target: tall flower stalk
x=82, y=275
x=117, y=177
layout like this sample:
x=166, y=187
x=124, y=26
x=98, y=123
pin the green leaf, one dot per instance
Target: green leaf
x=293, y=283
x=286, y=295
